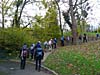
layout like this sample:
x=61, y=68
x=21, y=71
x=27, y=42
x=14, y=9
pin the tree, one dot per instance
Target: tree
x=7, y=11
x=5, y=6
x=73, y=9
x=47, y=26
x=74, y=24
x=2, y=14
x=18, y=13
x=84, y=14
x=53, y=11
x=51, y=20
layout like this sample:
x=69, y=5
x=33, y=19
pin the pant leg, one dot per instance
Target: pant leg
x=52, y=46
x=36, y=64
x=55, y=45
x=39, y=65
x=62, y=43
x=23, y=62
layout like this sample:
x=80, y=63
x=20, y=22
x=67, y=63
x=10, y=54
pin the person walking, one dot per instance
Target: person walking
x=62, y=41
x=80, y=39
x=50, y=44
x=45, y=45
x=38, y=56
x=68, y=40
x=97, y=36
x=84, y=38
x=23, y=56
x=32, y=50
x=55, y=42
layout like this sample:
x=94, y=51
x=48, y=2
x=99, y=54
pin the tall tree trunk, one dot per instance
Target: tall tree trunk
x=59, y=18
x=16, y=18
x=74, y=24
x=2, y=14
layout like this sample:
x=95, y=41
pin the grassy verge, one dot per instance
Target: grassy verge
x=80, y=60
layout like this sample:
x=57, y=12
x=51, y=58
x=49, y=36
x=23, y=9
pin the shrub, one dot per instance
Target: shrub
x=13, y=38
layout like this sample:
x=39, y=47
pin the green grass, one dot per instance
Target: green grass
x=92, y=34
x=80, y=59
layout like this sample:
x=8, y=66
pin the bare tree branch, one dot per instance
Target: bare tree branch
x=26, y=25
x=75, y=4
x=25, y=2
x=6, y=2
x=9, y=7
x=81, y=3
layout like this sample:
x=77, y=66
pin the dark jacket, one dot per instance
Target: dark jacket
x=38, y=50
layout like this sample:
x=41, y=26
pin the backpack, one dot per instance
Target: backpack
x=31, y=48
x=62, y=38
x=25, y=53
x=39, y=52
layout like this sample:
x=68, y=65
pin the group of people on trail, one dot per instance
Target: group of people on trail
x=83, y=38
x=51, y=44
x=36, y=51
x=69, y=40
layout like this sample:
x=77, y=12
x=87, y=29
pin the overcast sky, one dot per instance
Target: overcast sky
x=93, y=16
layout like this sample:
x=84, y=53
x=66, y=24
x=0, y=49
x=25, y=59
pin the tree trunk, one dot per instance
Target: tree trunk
x=59, y=18
x=2, y=14
x=74, y=24
x=16, y=18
